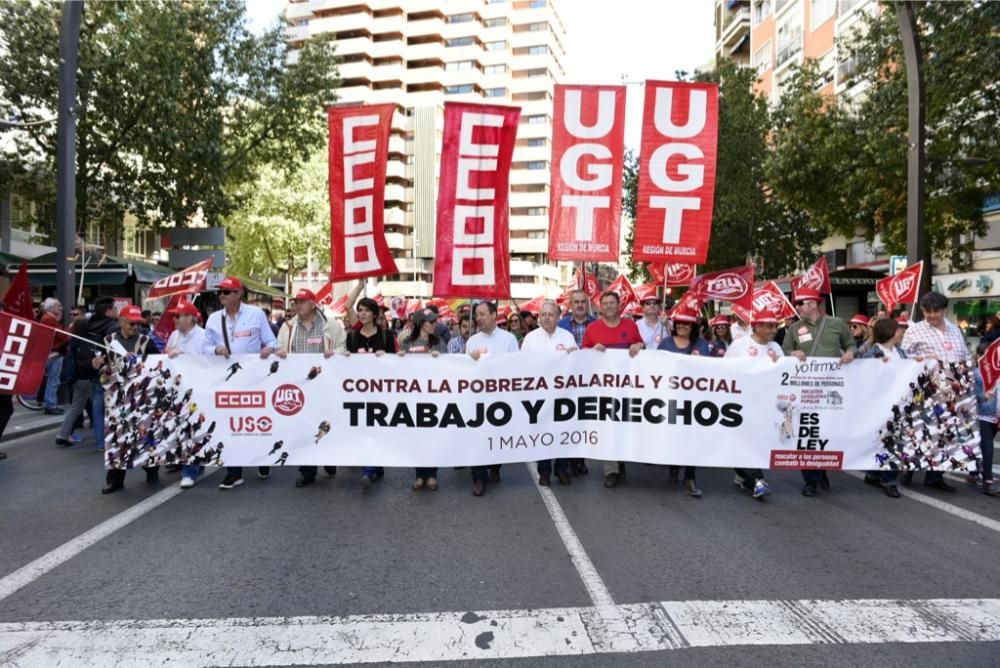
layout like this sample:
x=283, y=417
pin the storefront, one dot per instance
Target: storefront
x=973, y=297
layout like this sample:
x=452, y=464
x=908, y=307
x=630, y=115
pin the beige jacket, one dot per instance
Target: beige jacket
x=334, y=335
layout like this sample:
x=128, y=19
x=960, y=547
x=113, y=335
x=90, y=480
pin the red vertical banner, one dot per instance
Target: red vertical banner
x=359, y=151
x=680, y=130
x=472, y=257
x=588, y=155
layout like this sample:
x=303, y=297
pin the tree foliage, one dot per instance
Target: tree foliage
x=179, y=105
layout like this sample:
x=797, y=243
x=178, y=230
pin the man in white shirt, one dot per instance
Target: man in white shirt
x=188, y=338
x=651, y=327
x=549, y=337
x=489, y=340
x=758, y=345
x=238, y=329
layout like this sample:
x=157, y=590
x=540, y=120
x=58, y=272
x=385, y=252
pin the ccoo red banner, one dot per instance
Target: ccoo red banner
x=677, y=172
x=359, y=152
x=903, y=288
x=588, y=156
x=472, y=257
x=729, y=285
x=186, y=281
x=25, y=345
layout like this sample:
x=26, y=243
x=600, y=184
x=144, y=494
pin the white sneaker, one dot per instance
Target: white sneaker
x=187, y=482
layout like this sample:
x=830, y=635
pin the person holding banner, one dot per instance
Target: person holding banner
x=489, y=340
x=722, y=336
x=550, y=338
x=238, y=329
x=424, y=340
x=986, y=403
x=935, y=336
x=368, y=338
x=576, y=322
x=456, y=345
x=815, y=334
x=684, y=340
x=132, y=341
x=188, y=338
x=611, y=331
x=759, y=345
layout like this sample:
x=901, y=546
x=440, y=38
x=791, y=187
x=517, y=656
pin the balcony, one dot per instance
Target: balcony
x=395, y=169
x=343, y=23
x=529, y=245
x=529, y=176
x=736, y=28
x=529, y=200
x=298, y=10
x=395, y=193
x=396, y=241
x=353, y=45
x=429, y=26
x=788, y=51
x=358, y=70
x=297, y=33
x=426, y=51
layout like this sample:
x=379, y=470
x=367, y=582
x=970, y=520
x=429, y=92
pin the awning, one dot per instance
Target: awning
x=149, y=273
x=100, y=270
x=9, y=259
x=262, y=288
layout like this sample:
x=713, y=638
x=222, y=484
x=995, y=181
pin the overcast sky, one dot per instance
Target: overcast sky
x=609, y=39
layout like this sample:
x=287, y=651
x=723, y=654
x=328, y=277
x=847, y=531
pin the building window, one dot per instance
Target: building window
x=495, y=92
x=822, y=11
x=459, y=41
x=461, y=18
x=536, y=211
x=459, y=65
x=536, y=4
x=538, y=50
x=761, y=10
x=496, y=69
x=459, y=90
x=762, y=58
x=532, y=120
x=536, y=164
x=498, y=45
x=536, y=141
x=789, y=38
x=498, y=22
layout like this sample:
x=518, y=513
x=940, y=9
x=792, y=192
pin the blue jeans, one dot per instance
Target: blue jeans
x=53, y=369
x=192, y=471
x=545, y=466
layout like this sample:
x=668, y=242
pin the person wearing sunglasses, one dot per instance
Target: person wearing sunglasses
x=238, y=329
x=722, y=336
x=188, y=338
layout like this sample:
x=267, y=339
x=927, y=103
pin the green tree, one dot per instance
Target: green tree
x=283, y=216
x=179, y=105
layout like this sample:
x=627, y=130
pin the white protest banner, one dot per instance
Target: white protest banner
x=453, y=411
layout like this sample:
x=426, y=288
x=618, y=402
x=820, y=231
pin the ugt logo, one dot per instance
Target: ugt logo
x=288, y=399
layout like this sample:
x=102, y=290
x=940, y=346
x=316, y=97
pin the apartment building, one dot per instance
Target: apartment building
x=418, y=54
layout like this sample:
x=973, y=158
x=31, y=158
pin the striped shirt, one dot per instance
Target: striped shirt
x=949, y=345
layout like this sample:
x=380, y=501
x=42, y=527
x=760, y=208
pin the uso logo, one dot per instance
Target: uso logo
x=288, y=399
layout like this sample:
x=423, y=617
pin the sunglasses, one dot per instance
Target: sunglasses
x=226, y=292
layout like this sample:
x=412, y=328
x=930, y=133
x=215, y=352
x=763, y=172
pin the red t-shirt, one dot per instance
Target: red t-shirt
x=621, y=336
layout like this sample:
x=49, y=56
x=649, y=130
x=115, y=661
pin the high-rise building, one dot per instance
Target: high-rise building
x=418, y=54
x=732, y=30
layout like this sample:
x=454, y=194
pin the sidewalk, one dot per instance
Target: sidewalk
x=25, y=423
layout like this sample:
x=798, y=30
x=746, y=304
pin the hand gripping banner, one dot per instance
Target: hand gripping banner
x=676, y=172
x=454, y=411
x=588, y=155
x=359, y=152
x=473, y=231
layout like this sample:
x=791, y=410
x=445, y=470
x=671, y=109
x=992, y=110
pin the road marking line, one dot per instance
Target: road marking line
x=592, y=580
x=941, y=505
x=494, y=635
x=45, y=563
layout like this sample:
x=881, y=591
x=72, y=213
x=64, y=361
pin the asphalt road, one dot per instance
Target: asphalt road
x=396, y=557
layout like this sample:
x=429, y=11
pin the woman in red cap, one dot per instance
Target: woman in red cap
x=684, y=340
x=721, y=333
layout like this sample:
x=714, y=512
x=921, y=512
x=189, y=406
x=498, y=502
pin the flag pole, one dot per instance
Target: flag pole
x=38, y=323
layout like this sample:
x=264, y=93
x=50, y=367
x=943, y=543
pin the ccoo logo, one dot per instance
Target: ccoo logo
x=288, y=399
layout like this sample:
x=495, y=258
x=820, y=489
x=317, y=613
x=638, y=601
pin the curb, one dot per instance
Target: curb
x=13, y=433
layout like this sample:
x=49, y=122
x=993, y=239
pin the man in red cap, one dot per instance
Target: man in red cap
x=816, y=335
x=309, y=331
x=238, y=329
x=859, y=326
x=134, y=342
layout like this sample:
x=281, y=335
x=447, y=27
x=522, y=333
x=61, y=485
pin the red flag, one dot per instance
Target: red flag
x=903, y=288
x=671, y=274
x=690, y=300
x=989, y=366
x=816, y=277
x=473, y=228
x=324, y=295
x=165, y=325
x=397, y=305
x=379, y=299
x=589, y=284
x=413, y=307
x=729, y=285
x=769, y=298
x=588, y=156
x=18, y=298
x=25, y=345
x=444, y=307
x=644, y=292
x=534, y=305
x=339, y=307
x=626, y=294
x=186, y=281
x=359, y=152
x=677, y=172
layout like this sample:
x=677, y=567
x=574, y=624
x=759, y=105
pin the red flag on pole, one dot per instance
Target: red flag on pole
x=533, y=305
x=816, y=277
x=588, y=156
x=25, y=345
x=989, y=366
x=324, y=295
x=473, y=232
x=767, y=298
x=359, y=153
x=626, y=294
x=729, y=285
x=165, y=326
x=677, y=172
x=187, y=281
x=671, y=274
x=903, y=288
x=591, y=286
x=18, y=298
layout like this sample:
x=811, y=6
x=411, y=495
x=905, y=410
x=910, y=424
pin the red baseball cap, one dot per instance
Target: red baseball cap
x=305, y=295
x=764, y=317
x=804, y=294
x=185, y=307
x=859, y=319
x=231, y=283
x=903, y=322
x=132, y=312
x=684, y=313
x=720, y=320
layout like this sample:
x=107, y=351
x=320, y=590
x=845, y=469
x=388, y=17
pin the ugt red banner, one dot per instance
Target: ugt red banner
x=903, y=288
x=768, y=298
x=359, y=151
x=989, y=366
x=187, y=281
x=816, y=277
x=473, y=227
x=677, y=172
x=24, y=350
x=729, y=285
x=588, y=155
x=671, y=274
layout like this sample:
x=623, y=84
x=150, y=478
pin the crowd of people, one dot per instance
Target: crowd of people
x=239, y=328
